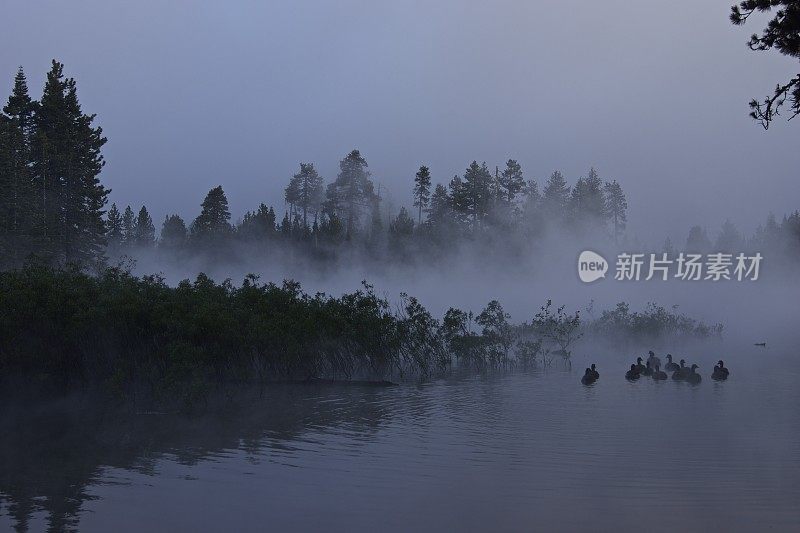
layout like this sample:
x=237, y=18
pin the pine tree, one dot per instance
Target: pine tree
x=20, y=106
x=443, y=222
x=213, y=222
x=258, y=225
x=144, y=230
x=7, y=244
x=616, y=208
x=531, y=209
x=459, y=199
x=306, y=191
x=128, y=225
x=440, y=205
x=67, y=160
x=16, y=194
x=511, y=182
x=403, y=224
x=401, y=229
x=353, y=193
x=114, y=228
x=292, y=194
x=770, y=236
x=555, y=196
x=587, y=203
x=697, y=241
x=85, y=197
x=478, y=184
x=782, y=33
x=531, y=193
x=331, y=228
x=298, y=230
x=790, y=234
x=729, y=239
x=174, y=234
x=422, y=190
x=595, y=201
x=286, y=226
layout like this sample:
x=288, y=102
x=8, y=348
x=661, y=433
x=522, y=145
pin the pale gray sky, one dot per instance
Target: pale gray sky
x=195, y=94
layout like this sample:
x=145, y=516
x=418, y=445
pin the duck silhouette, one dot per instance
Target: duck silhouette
x=595, y=372
x=681, y=373
x=671, y=367
x=659, y=374
x=632, y=374
x=692, y=376
x=639, y=366
x=648, y=370
x=720, y=372
x=588, y=377
x=653, y=359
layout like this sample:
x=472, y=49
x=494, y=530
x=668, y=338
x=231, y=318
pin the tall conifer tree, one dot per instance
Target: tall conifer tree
x=422, y=190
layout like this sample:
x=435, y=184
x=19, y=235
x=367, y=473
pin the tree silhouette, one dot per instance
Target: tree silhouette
x=144, y=229
x=555, y=195
x=173, y=233
x=422, y=190
x=616, y=207
x=213, y=223
x=511, y=181
x=114, y=229
x=783, y=34
x=353, y=192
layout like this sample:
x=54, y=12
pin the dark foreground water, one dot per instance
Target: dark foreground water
x=522, y=451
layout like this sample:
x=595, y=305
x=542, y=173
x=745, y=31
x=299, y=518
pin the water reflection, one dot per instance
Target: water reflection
x=53, y=452
x=511, y=452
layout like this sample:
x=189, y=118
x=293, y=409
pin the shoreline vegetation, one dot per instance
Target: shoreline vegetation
x=138, y=339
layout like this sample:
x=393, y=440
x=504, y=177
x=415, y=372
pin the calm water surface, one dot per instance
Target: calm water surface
x=522, y=451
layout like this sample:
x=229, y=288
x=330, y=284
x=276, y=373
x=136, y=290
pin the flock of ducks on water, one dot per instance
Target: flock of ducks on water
x=652, y=369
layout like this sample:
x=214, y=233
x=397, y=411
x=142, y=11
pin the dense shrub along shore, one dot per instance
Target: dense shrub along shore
x=65, y=329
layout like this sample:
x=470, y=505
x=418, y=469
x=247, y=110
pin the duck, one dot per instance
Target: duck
x=648, y=370
x=692, y=376
x=639, y=366
x=595, y=372
x=659, y=374
x=653, y=359
x=632, y=374
x=720, y=372
x=681, y=372
x=588, y=377
x=671, y=367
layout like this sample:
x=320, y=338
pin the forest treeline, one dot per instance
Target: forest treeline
x=139, y=337
x=348, y=213
x=53, y=205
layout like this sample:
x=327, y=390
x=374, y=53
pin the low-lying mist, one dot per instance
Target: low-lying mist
x=470, y=274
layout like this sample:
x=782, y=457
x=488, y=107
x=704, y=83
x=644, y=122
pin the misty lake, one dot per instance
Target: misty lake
x=517, y=451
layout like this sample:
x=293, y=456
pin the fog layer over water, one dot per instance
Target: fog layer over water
x=503, y=452
x=522, y=282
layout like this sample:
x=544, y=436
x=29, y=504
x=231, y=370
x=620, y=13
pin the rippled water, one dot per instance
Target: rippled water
x=519, y=451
